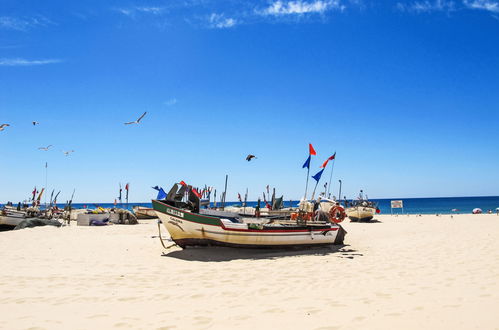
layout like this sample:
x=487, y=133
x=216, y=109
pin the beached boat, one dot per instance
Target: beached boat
x=11, y=220
x=188, y=226
x=361, y=209
x=360, y=212
x=144, y=212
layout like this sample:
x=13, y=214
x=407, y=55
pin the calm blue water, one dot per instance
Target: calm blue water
x=442, y=205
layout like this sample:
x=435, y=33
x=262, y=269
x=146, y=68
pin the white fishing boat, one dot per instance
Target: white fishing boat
x=361, y=209
x=188, y=226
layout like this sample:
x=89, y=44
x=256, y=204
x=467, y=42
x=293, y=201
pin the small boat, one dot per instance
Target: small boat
x=144, y=212
x=361, y=209
x=189, y=225
x=9, y=220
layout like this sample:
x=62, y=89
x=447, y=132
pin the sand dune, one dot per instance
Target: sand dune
x=406, y=272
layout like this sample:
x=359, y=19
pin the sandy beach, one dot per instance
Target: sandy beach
x=399, y=272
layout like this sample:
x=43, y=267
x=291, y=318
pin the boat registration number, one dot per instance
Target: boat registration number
x=175, y=213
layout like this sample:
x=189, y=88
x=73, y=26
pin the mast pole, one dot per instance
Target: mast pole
x=331, y=176
x=225, y=191
x=339, y=194
x=306, y=186
x=46, y=180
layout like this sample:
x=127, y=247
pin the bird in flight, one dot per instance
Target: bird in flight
x=35, y=123
x=250, y=157
x=2, y=127
x=66, y=153
x=45, y=148
x=137, y=121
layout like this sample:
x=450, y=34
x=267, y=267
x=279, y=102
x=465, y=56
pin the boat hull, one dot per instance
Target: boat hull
x=10, y=221
x=144, y=213
x=188, y=228
x=360, y=213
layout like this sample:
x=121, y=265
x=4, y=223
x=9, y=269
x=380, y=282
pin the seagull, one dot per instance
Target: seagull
x=250, y=157
x=35, y=123
x=66, y=153
x=137, y=121
x=2, y=127
x=45, y=148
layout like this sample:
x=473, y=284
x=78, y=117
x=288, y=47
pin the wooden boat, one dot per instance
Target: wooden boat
x=361, y=209
x=10, y=221
x=360, y=212
x=144, y=212
x=188, y=226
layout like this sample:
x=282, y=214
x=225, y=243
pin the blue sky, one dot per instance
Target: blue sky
x=406, y=93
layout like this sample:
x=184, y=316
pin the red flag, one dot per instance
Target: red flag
x=327, y=160
x=311, y=149
x=126, y=187
x=183, y=183
x=195, y=191
x=239, y=197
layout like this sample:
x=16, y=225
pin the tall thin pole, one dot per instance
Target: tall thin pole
x=46, y=179
x=339, y=194
x=245, y=200
x=331, y=176
x=313, y=193
x=225, y=191
x=306, y=186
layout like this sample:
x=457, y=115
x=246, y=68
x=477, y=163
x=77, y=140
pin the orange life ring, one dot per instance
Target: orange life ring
x=337, y=214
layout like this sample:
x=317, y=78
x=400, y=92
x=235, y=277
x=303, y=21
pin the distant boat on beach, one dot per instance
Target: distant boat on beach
x=361, y=209
x=142, y=212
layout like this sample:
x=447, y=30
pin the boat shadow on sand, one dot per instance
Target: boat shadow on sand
x=217, y=254
x=370, y=221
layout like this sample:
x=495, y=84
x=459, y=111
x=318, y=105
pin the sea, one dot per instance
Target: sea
x=434, y=205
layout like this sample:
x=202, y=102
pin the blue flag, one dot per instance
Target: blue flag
x=317, y=177
x=161, y=193
x=307, y=162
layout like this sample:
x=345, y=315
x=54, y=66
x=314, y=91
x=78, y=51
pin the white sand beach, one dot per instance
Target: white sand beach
x=404, y=272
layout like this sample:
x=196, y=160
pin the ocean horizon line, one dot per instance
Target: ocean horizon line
x=236, y=201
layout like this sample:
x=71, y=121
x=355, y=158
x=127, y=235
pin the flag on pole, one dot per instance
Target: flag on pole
x=307, y=162
x=161, y=193
x=317, y=176
x=34, y=193
x=239, y=197
x=311, y=149
x=196, y=192
x=126, y=188
x=311, y=152
x=327, y=160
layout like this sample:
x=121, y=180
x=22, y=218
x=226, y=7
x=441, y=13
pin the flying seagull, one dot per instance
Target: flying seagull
x=66, y=153
x=35, y=123
x=250, y=157
x=45, y=148
x=2, y=127
x=137, y=121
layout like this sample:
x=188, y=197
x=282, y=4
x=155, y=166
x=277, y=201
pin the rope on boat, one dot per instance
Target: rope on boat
x=161, y=239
